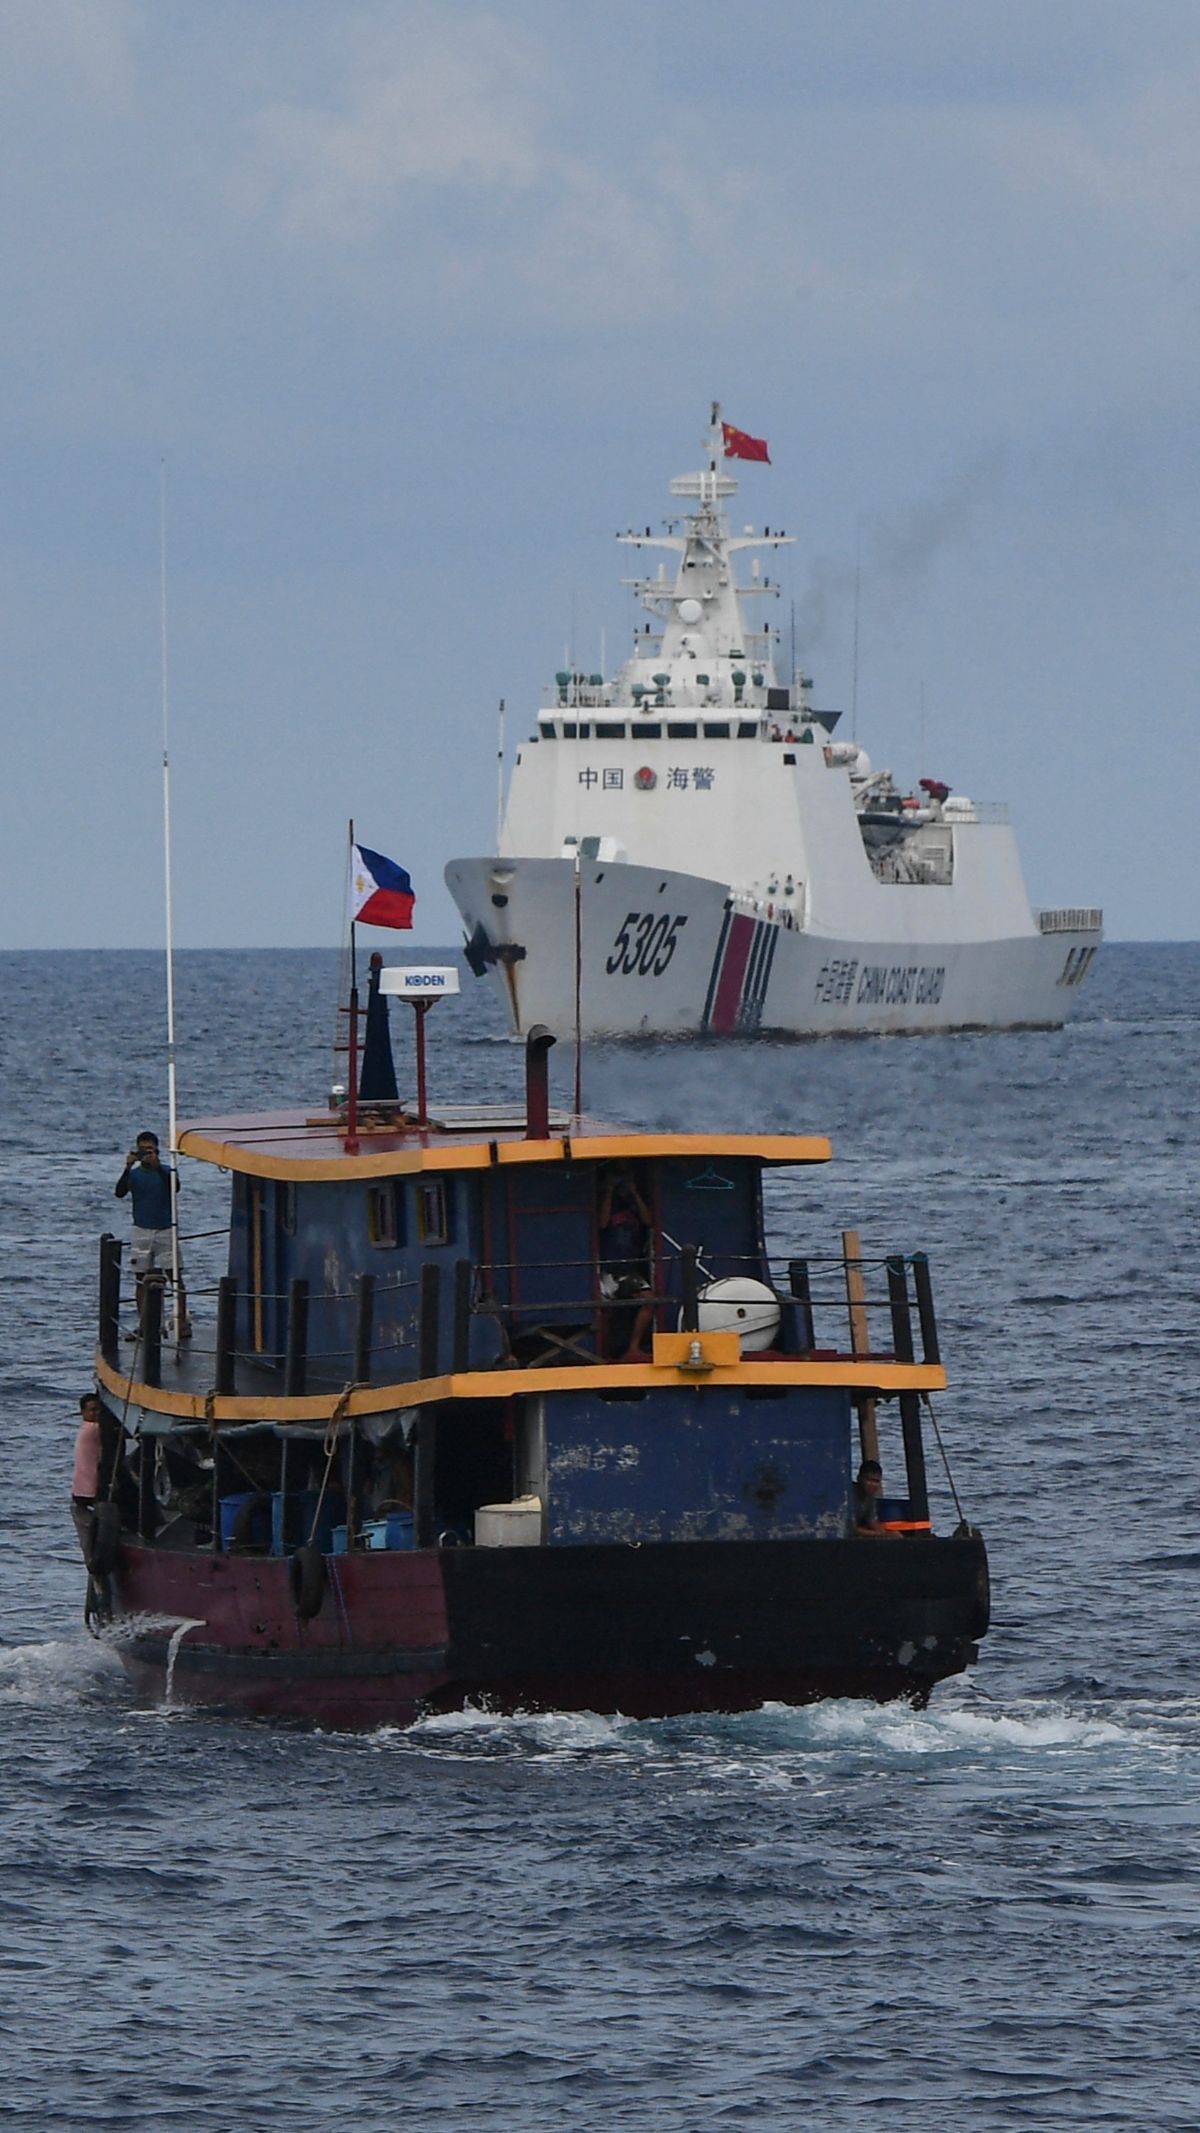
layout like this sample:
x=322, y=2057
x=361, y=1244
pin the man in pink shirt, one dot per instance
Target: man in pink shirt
x=85, y=1481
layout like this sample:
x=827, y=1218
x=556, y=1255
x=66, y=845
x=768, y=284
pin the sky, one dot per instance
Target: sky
x=409, y=308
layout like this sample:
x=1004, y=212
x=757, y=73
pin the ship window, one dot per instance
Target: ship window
x=548, y=730
x=585, y=731
x=649, y=733
x=383, y=1217
x=570, y=730
x=610, y=733
x=716, y=730
x=748, y=730
x=679, y=732
x=433, y=1224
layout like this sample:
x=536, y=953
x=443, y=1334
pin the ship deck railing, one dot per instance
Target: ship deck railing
x=245, y=1345
x=1074, y=918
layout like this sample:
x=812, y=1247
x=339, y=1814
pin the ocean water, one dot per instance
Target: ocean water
x=985, y=1915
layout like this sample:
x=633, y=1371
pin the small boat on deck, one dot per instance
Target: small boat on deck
x=507, y=1407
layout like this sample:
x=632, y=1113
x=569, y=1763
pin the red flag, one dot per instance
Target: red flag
x=740, y=446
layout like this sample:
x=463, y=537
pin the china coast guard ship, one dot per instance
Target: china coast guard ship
x=505, y=1406
x=689, y=848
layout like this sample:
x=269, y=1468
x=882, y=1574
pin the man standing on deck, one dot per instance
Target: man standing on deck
x=153, y=1187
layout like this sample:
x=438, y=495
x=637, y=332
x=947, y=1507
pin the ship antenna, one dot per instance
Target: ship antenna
x=578, y=988
x=500, y=777
x=172, y=1116
x=854, y=663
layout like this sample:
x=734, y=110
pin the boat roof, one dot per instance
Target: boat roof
x=305, y=1146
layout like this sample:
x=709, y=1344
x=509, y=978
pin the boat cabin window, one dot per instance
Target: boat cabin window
x=748, y=730
x=383, y=1216
x=548, y=730
x=610, y=733
x=648, y=733
x=716, y=729
x=433, y=1219
x=679, y=731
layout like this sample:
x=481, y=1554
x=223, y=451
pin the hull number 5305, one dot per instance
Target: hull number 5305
x=645, y=944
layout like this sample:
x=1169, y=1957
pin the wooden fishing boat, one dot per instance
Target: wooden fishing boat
x=453, y=1431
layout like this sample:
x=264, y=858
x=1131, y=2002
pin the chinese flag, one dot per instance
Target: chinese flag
x=739, y=446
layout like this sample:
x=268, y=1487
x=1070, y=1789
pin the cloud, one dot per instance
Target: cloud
x=442, y=106
x=88, y=45
x=459, y=155
x=1128, y=164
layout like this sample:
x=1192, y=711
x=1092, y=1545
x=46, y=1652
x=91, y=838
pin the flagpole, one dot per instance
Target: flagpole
x=353, y=930
x=172, y=1118
x=351, y=1142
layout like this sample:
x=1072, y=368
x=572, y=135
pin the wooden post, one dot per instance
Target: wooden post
x=295, y=1362
x=902, y=1334
x=363, y=1327
x=860, y=1338
x=798, y=1279
x=929, y=1334
x=227, y=1305
x=914, y=1456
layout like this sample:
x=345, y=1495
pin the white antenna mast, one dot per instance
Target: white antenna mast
x=500, y=777
x=172, y=1123
x=857, y=593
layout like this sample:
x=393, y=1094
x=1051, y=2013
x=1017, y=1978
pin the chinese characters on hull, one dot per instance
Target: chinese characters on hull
x=678, y=779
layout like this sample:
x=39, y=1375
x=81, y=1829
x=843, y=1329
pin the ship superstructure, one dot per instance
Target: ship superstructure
x=690, y=847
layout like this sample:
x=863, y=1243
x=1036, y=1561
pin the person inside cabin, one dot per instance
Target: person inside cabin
x=624, y=1224
x=868, y=1488
x=153, y=1188
x=85, y=1480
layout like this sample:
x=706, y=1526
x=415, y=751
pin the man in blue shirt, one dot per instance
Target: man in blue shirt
x=152, y=1186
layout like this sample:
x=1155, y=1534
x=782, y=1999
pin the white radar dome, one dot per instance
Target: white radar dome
x=740, y=1305
x=690, y=611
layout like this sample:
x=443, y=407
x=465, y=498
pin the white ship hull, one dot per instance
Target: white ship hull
x=670, y=955
x=688, y=848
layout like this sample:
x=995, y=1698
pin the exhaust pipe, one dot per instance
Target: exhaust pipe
x=537, y=1082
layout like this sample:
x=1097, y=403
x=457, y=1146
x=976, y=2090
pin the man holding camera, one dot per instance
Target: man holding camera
x=152, y=1186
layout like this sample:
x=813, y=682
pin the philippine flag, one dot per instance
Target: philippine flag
x=381, y=893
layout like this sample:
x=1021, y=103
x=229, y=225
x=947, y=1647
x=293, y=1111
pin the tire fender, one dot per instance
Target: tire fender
x=308, y=1578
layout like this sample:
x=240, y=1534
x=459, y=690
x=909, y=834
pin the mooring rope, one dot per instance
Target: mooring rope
x=945, y=1461
x=332, y=1434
